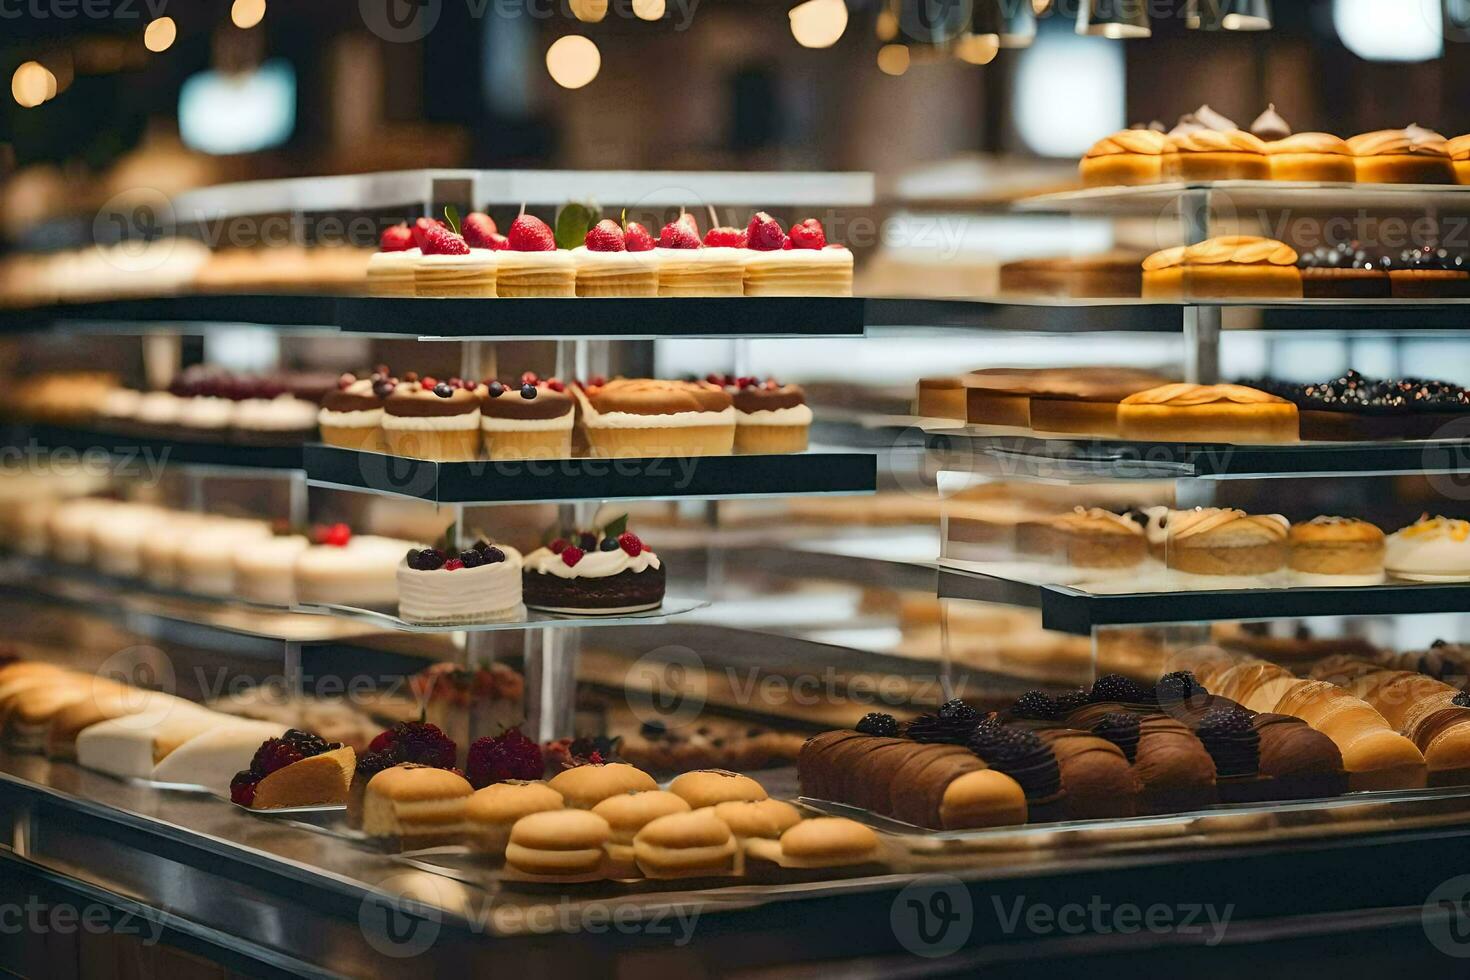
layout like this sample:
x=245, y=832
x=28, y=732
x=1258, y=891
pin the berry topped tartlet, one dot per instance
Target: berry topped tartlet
x=632, y=417
x=297, y=769
x=481, y=584
x=532, y=265
x=769, y=417
x=529, y=420
x=451, y=266
x=390, y=269
x=797, y=264
x=689, y=266
x=352, y=415
x=589, y=573
x=429, y=419
x=612, y=262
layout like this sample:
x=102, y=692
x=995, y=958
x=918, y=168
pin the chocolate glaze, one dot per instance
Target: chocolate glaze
x=548, y=404
x=415, y=401
x=755, y=398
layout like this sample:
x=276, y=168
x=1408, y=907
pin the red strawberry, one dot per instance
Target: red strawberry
x=679, y=234
x=639, y=239
x=529, y=233
x=337, y=535
x=441, y=241
x=479, y=229
x=420, y=230
x=808, y=234
x=688, y=221
x=629, y=542
x=725, y=238
x=396, y=239
x=765, y=234
x=571, y=555
x=606, y=236
x=498, y=243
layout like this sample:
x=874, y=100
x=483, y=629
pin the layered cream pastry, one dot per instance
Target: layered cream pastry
x=608, y=266
x=206, y=566
x=803, y=264
x=481, y=584
x=429, y=419
x=1433, y=549
x=1127, y=158
x=1303, y=156
x=1208, y=146
x=687, y=267
x=634, y=417
x=531, y=420
x=769, y=417
x=616, y=573
x=1336, y=551
x=211, y=760
x=1413, y=155
x=533, y=265
x=450, y=267
x=390, y=269
x=352, y=416
x=1207, y=413
x=416, y=806
x=1221, y=268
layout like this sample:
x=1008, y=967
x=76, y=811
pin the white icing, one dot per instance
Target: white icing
x=159, y=408
x=476, y=258
x=361, y=573
x=394, y=264
x=631, y=420
x=721, y=257
x=212, y=759
x=433, y=423
x=367, y=418
x=795, y=415
x=120, y=403
x=263, y=569
x=282, y=413
x=463, y=595
x=207, y=413
x=510, y=261
x=627, y=262
x=1428, y=555
x=832, y=255
x=593, y=564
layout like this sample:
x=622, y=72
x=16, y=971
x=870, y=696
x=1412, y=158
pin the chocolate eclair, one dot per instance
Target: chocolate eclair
x=529, y=420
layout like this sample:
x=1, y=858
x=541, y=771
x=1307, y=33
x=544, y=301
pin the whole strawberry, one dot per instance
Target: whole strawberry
x=420, y=231
x=679, y=234
x=529, y=233
x=479, y=230
x=606, y=236
x=725, y=238
x=396, y=239
x=765, y=234
x=439, y=240
x=638, y=238
x=808, y=234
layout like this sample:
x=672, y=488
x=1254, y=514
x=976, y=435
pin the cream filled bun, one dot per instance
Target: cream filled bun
x=558, y=843
x=708, y=787
x=685, y=844
x=828, y=842
x=583, y=787
x=628, y=813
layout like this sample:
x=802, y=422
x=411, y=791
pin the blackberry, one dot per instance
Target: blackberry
x=957, y=710
x=1067, y=703
x=431, y=559
x=1034, y=705
x=1224, y=721
x=878, y=723
x=948, y=731
x=472, y=558
x=307, y=743
x=1461, y=700
x=1116, y=687
x=1001, y=747
x=1178, y=686
x=492, y=554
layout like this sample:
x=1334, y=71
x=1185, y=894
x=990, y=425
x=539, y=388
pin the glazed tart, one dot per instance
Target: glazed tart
x=428, y=419
x=645, y=417
x=1434, y=549
x=687, y=267
x=1229, y=266
x=352, y=416
x=296, y=770
x=609, y=264
x=1128, y=158
x=799, y=264
x=533, y=266
x=531, y=420
x=481, y=584
x=1413, y=155
x=390, y=270
x=1207, y=413
x=769, y=417
x=615, y=573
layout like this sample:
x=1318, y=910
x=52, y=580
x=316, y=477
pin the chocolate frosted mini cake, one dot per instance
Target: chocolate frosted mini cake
x=1234, y=744
x=1302, y=762
x=529, y=420
x=352, y=415
x=429, y=419
x=769, y=417
x=605, y=573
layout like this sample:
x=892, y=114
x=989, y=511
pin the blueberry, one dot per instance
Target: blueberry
x=493, y=555
x=413, y=557
x=528, y=391
x=383, y=389
x=609, y=544
x=496, y=389
x=444, y=389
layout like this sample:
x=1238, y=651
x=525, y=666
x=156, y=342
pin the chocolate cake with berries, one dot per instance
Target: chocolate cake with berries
x=531, y=419
x=769, y=417
x=594, y=573
x=430, y=419
x=298, y=769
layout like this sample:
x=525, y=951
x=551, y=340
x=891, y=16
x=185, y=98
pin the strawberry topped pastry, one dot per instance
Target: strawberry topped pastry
x=605, y=572
x=632, y=417
x=769, y=417
x=606, y=266
x=529, y=419
x=689, y=266
x=390, y=269
x=428, y=418
x=794, y=263
x=340, y=568
x=444, y=586
x=298, y=769
x=532, y=265
x=451, y=266
x=351, y=416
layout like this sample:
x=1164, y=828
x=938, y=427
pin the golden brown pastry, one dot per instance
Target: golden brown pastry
x=1459, y=150
x=1096, y=538
x=1130, y=157
x=1224, y=541
x=1207, y=413
x=1336, y=551
x=1207, y=154
x=1312, y=157
x=1403, y=156
x=649, y=417
x=1375, y=756
x=1222, y=268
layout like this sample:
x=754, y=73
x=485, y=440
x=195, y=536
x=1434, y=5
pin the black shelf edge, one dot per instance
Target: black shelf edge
x=1022, y=316
x=622, y=318
x=281, y=310
x=1040, y=456
x=1070, y=611
x=150, y=451
x=705, y=477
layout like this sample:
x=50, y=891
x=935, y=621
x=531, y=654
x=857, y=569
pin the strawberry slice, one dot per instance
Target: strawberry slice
x=396, y=239
x=440, y=240
x=725, y=238
x=638, y=238
x=765, y=234
x=606, y=236
x=808, y=234
x=529, y=233
x=479, y=230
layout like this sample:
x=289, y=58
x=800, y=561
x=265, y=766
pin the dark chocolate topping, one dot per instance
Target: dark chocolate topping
x=547, y=404
x=414, y=401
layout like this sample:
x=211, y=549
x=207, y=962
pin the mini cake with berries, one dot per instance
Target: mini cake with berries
x=532, y=265
x=797, y=264
x=390, y=269
x=429, y=419
x=769, y=417
x=450, y=267
x=632, y=417
x=481, y=584
x=352, y=415
x=595, y=574
x=616, y=262
x=530, y=420
x=413, y=743
x=689, y=266
x=298, y=769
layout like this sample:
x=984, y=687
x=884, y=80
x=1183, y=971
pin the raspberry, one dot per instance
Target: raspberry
x=529, y=233
x=508, y=756
x=678, y=234
x=396, y=239
x=420, y=231
x=558, y=546
x=765, y=234
x=571, y=556
x=638, y=238
x=629, y=542
x=479, y=230
x=383, y=742
x=242, y=787
x=274, y=754
x=605, y=236
x=725, y=238
x=439, y=240
x=422, y=743
x=453, y=565
x=808, y=234
x=878, y=723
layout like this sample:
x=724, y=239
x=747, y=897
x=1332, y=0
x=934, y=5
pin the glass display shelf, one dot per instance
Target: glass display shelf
x=1073, y=609
x=1012, y=453
x=568, y=480
x=1240, y=194
x=522, y=619
x=150, y=452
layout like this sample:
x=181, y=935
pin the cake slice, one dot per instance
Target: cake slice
x=297, y=769
x=133, y=746
x=212, y=759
